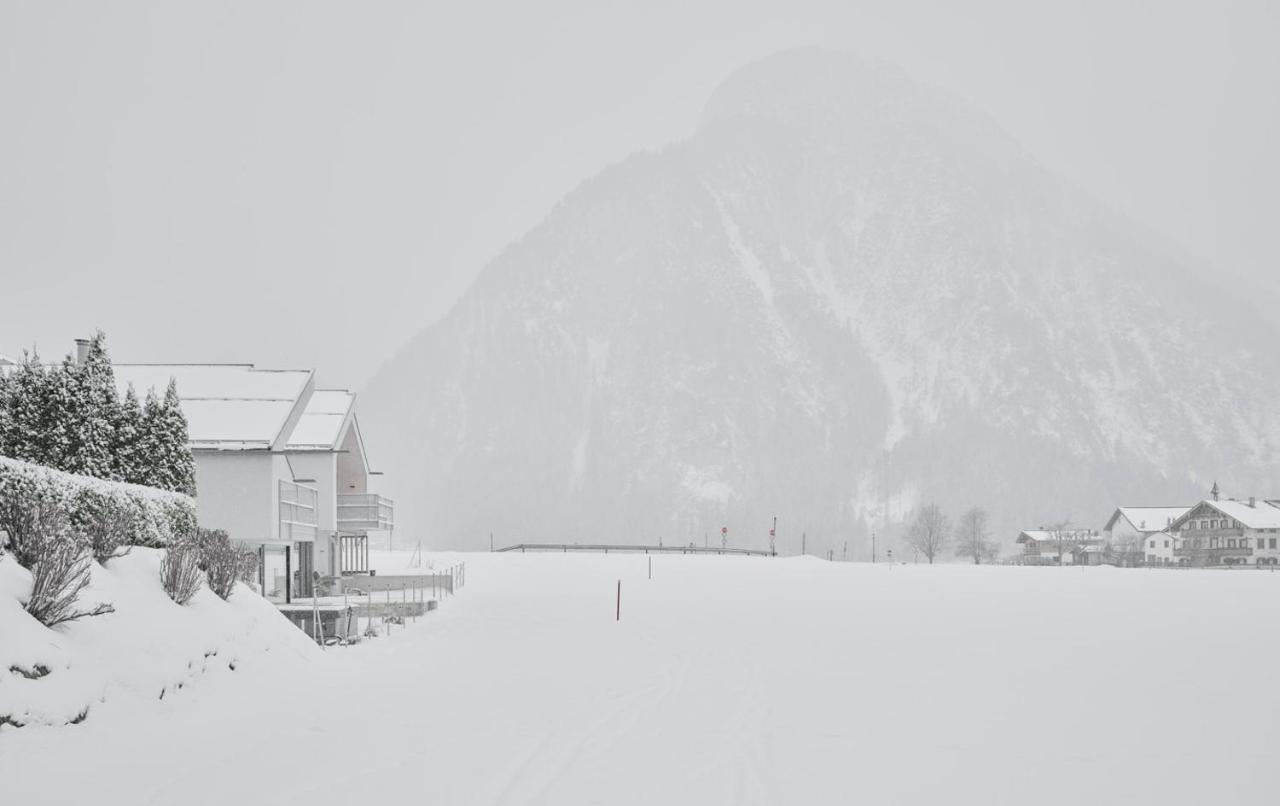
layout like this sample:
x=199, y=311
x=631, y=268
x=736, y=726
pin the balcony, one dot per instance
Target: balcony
x=365, y=512
x=297, y=512
x=1214, y=554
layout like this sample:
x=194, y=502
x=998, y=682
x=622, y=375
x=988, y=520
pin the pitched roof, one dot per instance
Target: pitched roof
x=1262, y=515
x=6, y=361
x=1045, y=535
x=227, y=406
x=323, y=420
x=1147, y=519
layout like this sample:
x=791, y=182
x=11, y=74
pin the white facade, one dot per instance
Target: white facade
x=1229, y=532
x=1158, y=548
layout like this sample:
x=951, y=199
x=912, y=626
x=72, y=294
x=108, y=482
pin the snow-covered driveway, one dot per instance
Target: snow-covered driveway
x=727, y=681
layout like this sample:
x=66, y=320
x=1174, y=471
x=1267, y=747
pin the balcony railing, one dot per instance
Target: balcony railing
x=1216, y=552
x=298, y=511
x=365, y=512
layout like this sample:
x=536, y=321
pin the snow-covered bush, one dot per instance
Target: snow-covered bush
x=223, y=561
x=180, y=570
x=154, y=517
x=110, y=533
x=42, y=540
x=248, y=565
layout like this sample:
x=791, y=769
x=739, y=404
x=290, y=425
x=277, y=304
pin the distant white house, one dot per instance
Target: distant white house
x=6, y=361
x=1128, y=527
x=279, y=465
x=1060, y=547
x=1158, y=548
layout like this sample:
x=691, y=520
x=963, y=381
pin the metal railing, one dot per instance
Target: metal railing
x=600, y=547
x=299, y=507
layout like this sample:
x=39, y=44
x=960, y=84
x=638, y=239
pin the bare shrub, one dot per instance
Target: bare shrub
x=180, y=571
x=110, y=534
x=42, y=541
x=220, y=559
x=27, y=520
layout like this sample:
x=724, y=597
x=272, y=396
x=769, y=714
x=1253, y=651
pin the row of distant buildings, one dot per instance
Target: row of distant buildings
x=1213, y=532
x=280, y=466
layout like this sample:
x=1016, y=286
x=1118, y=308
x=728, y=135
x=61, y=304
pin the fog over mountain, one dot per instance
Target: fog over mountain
x=843, y=296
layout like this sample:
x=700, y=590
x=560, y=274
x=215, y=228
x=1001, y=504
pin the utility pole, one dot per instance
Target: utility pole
x=803, y=541
x=491, y=541
x=873, y=546
x=844, y=552
x=773, y=534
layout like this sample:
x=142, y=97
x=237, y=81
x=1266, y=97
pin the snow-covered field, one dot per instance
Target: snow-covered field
x=727, y=681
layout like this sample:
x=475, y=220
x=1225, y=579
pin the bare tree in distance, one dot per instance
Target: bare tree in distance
x=973, y=539
x=929, y=532
x=1061, y=533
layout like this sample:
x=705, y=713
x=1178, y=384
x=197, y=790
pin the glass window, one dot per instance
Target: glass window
x=273, y=568
x=1273, y=543
x=1262, y=543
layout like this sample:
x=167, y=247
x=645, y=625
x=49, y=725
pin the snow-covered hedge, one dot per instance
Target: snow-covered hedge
x=158, y=516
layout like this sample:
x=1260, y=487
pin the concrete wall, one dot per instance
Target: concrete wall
x=236, y=492
x=353, y=476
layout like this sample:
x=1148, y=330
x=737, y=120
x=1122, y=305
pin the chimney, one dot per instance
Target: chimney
x=82, y=350
x=1253, y=502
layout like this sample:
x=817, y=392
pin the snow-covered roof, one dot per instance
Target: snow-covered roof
x=1148, y=519
x=1045, y=535
x=1262, y=515
x=6, y=361
x=227, y=406
x=321, y=424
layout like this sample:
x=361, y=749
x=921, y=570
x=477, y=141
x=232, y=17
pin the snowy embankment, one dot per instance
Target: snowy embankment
x=729, y=681
x=148, y=651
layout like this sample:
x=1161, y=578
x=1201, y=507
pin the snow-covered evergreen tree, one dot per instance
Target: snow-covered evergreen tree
x=5, y=417
x=91, y=414
x=130, y=461
x=150, y=443
x=56, y=438
x=24, y=421
x=180, y=466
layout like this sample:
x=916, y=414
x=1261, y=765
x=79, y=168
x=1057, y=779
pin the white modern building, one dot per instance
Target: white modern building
x=279, y=465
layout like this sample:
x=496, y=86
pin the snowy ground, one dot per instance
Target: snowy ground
x=727, y=681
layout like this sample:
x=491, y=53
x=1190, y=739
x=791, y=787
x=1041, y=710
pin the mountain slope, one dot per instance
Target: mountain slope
x=845, y=294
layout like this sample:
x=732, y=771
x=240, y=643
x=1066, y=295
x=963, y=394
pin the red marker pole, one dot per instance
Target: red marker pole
x=618, y=615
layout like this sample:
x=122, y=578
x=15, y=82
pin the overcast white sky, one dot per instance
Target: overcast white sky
x=310, y=183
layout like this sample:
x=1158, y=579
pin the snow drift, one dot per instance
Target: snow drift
x=148, y=651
